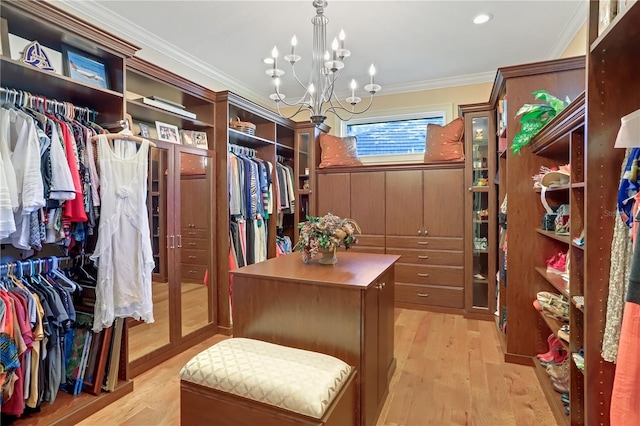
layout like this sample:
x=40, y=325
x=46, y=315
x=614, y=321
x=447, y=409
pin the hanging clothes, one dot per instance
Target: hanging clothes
x=123, y=251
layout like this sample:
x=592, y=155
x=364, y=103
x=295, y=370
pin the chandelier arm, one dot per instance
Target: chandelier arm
x=300, y=108
x=293, y=71
x=353, y=112
x=298, y=102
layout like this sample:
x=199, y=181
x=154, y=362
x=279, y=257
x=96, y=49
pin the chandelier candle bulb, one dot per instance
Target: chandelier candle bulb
x=342, y=36
x=274, y=55
x=294, y=42
x=353, y=88
x=372, y=71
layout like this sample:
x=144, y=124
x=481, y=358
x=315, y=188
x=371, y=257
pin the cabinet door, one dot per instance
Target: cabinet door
x=195, y=193
x=403, y=202
x=367, y=202
x=444, y=202
x=333, y=194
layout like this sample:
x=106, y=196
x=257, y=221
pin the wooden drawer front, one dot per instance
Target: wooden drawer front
x=193, y=273
x=194, y=232
x=435, y=275
x=194, y=257
x=429, y=257
x=430, y=295
x=370, y=240
x=366, y=249
x=431, y=243
x=190, y=243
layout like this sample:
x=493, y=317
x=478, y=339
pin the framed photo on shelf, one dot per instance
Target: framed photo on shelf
x=144, y=130
x=187, y=137
x=167, y=132
x=201, y=140
x=85, y=68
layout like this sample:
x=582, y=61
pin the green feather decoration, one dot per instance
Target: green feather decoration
x=535, y=116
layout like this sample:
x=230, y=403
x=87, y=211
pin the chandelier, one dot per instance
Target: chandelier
x=319, y=97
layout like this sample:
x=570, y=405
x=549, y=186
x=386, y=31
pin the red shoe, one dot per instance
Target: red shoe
x=547, y=356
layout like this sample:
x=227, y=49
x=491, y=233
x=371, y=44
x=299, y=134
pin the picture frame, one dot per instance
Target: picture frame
x=83, y=67
x=200, y=139
x=5, y=47
x=167, y=132
x=144, y=130
x=187, y=137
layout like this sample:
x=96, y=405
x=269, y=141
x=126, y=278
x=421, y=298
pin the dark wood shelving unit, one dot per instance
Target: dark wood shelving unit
x=553, y=397
x=151, y=114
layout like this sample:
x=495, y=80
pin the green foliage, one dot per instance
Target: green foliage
x=535, y=116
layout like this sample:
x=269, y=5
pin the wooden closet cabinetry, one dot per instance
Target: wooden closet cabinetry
x=53, y=28
x=360, y=196
x=424, y=225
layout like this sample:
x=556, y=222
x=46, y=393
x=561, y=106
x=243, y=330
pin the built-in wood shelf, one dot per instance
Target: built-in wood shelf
x=555, y=280
x=550, y=234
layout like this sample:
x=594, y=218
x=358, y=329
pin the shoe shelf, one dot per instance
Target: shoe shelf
x=556, y=188
x=550, y=234
x=579, y=247
x=553, y=397
x=554, y=325
x=556, y=281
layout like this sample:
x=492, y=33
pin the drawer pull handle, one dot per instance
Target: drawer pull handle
x=422, y=275
x=192, y=244
x=423, y=243
x=192, y=257
x=423, y=294
x=420, y=256
x=192, y=233
x=192, y=271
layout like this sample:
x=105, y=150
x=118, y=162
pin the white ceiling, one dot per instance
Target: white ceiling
x=414, y=44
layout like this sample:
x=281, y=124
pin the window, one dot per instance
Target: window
x=395, y=136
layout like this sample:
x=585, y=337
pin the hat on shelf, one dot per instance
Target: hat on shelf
x=556, y=176
x=629, y=133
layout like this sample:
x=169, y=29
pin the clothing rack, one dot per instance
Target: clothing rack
x=281, y=159
x=242, y=150
x=42, y=104
x=34, y=266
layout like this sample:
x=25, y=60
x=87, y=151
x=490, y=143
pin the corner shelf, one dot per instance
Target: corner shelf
x=566, y=239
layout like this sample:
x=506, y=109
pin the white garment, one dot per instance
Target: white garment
x=24, y=147
x=5, y=151
x=7, y=222
x=62, y=187
x=123, y=251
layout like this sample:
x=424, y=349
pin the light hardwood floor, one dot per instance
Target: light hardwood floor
x=450, y=371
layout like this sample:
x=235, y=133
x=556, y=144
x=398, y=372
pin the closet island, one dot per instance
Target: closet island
x=344, y=310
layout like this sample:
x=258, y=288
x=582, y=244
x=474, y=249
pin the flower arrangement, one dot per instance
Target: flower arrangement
x=535, y=116
x=325, y=233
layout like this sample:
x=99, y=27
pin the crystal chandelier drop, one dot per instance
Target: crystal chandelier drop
x=319, y=97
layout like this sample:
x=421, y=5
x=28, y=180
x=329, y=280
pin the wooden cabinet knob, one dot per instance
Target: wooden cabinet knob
x=419, y=231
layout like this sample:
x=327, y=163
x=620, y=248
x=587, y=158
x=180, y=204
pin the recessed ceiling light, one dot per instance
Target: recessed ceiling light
x=268, y=60
x=482, y=18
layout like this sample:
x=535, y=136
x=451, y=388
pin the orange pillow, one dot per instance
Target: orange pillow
x=444, y=143
x=338, y=152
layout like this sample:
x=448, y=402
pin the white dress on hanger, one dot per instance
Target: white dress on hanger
x=123, y=252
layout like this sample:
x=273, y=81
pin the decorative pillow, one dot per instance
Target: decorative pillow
x=338, y=152
x=444, y=143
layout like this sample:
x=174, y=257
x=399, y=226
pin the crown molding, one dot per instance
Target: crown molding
x=440, y=83
x=131, y=31
x=577, y=20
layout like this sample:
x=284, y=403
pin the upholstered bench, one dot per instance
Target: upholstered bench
x=250, y=382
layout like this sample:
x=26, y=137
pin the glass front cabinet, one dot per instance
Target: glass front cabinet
x=481, y=210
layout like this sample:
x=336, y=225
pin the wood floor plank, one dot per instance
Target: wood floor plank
x=449, y=371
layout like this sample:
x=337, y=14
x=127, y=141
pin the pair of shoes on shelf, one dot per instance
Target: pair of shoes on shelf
x=578, y=301
x=556, y=353
x=563, y=333
x=580, y=240
x=557, y=264
x=479, y=277
x=578, y=359
x=559, y=371
x=553, y=305
x=561, y=385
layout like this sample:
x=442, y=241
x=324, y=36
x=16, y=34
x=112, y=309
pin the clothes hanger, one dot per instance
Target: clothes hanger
x=123, y=136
